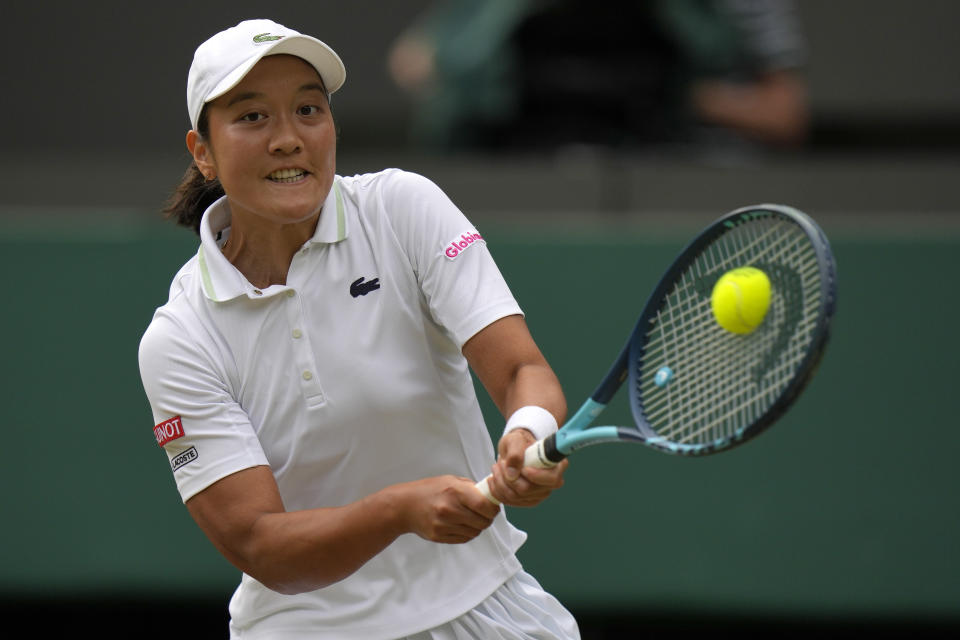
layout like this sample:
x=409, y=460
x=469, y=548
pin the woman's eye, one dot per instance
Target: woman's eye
x=252, y=117
x=309, y=110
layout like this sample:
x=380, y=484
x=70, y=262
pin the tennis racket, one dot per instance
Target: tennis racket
x=696, y=388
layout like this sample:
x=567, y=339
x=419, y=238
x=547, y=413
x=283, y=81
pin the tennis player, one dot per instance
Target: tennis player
x=310, y=379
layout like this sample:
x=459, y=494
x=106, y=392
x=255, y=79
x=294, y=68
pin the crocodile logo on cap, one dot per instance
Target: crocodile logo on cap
x=265, y=37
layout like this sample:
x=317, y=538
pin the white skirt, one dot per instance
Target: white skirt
x=519, y=610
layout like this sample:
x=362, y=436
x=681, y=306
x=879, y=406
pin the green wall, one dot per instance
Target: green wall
x=846, y=507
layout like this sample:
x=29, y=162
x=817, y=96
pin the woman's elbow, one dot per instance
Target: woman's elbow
x=295, y=581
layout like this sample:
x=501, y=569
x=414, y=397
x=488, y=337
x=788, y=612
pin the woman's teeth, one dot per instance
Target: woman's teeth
x=287, y=175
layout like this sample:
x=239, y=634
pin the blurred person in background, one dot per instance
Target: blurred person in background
x=529, y=74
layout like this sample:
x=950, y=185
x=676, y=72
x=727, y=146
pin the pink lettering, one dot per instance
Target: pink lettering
x=458, y=245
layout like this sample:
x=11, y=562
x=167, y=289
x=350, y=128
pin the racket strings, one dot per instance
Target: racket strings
x=701, y=351
x=733, y=410
x=738, y=409
x=723, y=382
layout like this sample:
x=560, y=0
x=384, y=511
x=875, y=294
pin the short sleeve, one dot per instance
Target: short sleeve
x=205, y=433
x=453, y=265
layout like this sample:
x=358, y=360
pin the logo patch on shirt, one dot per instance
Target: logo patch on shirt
x=360, y=288
x=168, y=430
x=461, y=243
x=186, y=457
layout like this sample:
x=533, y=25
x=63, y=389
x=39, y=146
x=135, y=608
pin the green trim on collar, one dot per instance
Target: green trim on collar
x=205, y=275
x=341, y=216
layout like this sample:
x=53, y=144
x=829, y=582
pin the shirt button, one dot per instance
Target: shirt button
x=307, y=375
x=297, y=333
x=257, y=292
x=290, y=293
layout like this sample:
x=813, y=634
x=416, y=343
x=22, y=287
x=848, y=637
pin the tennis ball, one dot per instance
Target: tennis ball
x=740, y=299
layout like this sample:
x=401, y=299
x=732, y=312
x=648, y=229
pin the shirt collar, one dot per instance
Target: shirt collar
x=332, y=226
x=220, y=279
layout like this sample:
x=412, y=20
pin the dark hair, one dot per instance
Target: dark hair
x=194, y=193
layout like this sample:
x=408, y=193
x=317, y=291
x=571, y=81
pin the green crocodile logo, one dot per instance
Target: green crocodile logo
x=265, y=37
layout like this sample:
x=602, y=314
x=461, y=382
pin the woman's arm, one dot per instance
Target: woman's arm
x=515, y=374
x=297, y=551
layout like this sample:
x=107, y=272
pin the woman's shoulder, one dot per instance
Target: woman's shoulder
x=184, y=279
x=389, y=181
x=179, y=327
x=396, y=195
x=180, y=297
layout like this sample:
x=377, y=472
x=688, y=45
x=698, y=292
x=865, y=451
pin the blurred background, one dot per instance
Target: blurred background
x=587, y=141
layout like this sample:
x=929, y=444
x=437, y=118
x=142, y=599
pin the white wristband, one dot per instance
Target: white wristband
x=536, y=420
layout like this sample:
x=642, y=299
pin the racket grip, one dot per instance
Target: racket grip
x=534, y=456
x=484, y=487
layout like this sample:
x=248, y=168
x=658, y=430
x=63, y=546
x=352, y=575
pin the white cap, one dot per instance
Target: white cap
x=220, y=63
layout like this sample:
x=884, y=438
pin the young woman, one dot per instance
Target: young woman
x=310, y=380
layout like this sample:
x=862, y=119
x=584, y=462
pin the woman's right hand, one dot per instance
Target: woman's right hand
x=445, y=509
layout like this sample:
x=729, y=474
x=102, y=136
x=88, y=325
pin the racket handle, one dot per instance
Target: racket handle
x=484, y=487
x=534, y=456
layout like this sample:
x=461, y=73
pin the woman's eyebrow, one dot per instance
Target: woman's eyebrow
x=314, y=86
x=240, y=97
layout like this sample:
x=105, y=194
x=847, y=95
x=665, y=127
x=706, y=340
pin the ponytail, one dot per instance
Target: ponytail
x=192, y=197
x=194, y=193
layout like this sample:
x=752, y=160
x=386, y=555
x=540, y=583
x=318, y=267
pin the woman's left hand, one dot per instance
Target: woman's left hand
x=519, y=486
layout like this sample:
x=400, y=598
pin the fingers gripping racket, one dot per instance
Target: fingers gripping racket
x=696, y=388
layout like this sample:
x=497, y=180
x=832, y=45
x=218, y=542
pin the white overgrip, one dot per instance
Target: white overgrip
x=536, y=456
x=484, y=487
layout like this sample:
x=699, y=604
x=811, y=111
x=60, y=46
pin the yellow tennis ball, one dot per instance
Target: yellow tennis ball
x=740, y=299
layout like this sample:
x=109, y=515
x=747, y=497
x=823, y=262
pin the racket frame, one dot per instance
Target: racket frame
x=577, y=433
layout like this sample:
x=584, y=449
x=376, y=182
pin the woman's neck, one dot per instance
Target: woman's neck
x=262, y=251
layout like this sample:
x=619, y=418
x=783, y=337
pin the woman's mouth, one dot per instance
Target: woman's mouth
x=287, y=175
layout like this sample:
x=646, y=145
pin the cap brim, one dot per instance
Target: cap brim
x=324, y=59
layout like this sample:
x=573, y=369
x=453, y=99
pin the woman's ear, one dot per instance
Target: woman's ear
x=202, y=156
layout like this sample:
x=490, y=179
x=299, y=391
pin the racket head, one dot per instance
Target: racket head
x=696, y=388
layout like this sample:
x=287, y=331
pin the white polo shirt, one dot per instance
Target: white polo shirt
x=347, y=379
